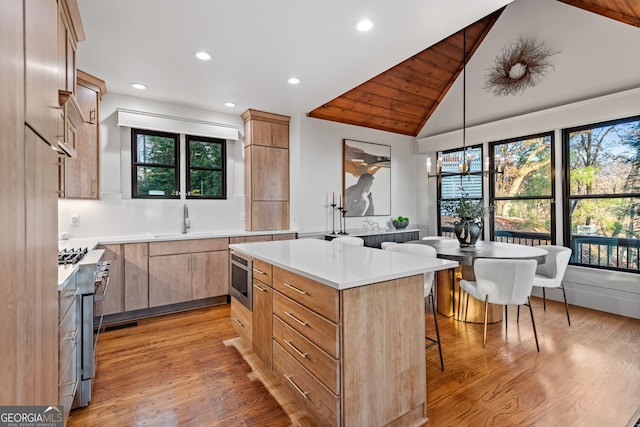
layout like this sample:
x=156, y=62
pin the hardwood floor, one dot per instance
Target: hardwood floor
x=176, y=371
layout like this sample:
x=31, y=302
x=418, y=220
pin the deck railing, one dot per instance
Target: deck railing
x=593, y=251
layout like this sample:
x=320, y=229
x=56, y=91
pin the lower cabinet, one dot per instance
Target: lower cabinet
x=241, y=320
x=262, y=316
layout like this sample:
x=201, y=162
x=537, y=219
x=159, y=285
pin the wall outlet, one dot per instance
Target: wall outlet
x=75, y=219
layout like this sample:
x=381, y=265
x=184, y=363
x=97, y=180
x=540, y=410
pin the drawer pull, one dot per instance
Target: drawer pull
x=259, y=271
x=259, y=288
x=238, y=321
x=298, y=389
x=295, y=318
x=290, y=344
x=295, y=289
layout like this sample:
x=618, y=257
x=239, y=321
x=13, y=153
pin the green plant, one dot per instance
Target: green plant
x=465, y=207
x=401, y=219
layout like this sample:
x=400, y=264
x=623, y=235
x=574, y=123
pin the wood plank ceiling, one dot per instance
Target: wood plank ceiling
x=403, y=98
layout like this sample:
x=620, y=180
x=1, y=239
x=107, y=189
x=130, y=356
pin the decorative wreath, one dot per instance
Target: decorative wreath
x=522, y=64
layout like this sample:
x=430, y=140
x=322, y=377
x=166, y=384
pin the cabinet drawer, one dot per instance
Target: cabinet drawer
x=188, y=246
x=323, y=405
x=319, y=363
x=262, y=271
x=320, y=298
x=241, y=319
x=315, y=328
x=66, y=297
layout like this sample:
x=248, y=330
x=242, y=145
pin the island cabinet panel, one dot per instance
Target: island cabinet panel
x=395, y=323
x=241, y=320
x=318, y=297
x=319, y=401
x=262, y=321
x=324, y=333
x=309, y=355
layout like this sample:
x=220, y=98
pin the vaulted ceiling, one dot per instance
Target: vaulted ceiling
x=403, y=98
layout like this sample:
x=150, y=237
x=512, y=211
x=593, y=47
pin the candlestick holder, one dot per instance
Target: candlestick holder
x=333, y=218
x=343, y=227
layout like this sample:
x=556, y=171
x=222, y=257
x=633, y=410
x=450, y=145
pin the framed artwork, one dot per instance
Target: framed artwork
x=366, y=179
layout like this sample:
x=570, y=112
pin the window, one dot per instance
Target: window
x=155, y=170
x=523, y=195
x=602, y=194
x=206, y=176
x=450, y=188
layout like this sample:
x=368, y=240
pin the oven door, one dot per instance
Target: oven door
x=240, y=279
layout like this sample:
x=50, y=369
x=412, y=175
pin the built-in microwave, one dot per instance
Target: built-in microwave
x=240, y=279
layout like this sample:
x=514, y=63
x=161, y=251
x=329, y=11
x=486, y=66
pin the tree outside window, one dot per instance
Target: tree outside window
x=602, y=194
x=206, y=160
x=523, y=194
x=155, y=165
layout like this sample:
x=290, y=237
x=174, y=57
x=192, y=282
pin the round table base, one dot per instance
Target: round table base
x=448, y=297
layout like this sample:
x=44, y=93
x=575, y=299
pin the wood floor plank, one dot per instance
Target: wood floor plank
x=175, y=370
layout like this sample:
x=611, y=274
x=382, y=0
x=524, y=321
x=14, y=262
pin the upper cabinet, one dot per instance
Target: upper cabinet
x=42, y=110
x=266, y=168
x=82, y=172
x=69, y=33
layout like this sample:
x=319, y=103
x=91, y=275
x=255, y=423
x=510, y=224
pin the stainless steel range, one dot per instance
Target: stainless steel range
x=93, y=280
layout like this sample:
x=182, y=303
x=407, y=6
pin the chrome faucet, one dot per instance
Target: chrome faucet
x=186, y=223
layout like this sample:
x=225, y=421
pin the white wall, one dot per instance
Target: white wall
x=316, y=171
x=609, y=291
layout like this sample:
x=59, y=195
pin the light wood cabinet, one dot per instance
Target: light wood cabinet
x=42, y=110
x=82, y=172
x=136, y=276
x=187, y=270
x=241, y=319
x=266, y=152
x=262, y=316
x=113, y=301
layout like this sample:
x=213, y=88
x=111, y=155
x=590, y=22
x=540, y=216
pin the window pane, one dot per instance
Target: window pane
x=526, y=166
x=155, y=181
x=155, y=149
x=206, y=183
x=205, y=154
x=610, y=217
x=605, y=160
x=523, y=221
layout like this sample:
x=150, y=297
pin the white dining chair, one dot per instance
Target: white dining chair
x=427, y=251
x=348, y=240
x=551, y=273
x=504, y=282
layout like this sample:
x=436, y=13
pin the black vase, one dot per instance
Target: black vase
x=467, y=231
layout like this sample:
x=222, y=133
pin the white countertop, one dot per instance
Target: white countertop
x=341, y=266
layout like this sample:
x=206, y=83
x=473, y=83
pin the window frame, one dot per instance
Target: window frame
x=189, y=168
x=567, y=197
x=535, y=238
x=135, y=163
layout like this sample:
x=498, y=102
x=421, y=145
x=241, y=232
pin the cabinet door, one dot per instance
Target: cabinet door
x=136, y=273
x=42, y=109
x=113, y=301
x=169, y=279
x=81, y=172
x=269, y=174
x=270, y=134
x=262, y=321
x=210, y=274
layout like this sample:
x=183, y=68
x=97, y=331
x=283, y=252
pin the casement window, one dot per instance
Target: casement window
x=206, y=164
x=601, y=165
x=156, y=172
x=451, y=187
x=155, y=167
x=523, y=195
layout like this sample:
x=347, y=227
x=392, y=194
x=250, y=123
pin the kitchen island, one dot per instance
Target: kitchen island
x=343, y=328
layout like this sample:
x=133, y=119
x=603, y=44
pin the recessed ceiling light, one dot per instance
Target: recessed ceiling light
x=203, y=56
x=138, y=86
x=293, y=80
x=364, y=25
x=230, y=104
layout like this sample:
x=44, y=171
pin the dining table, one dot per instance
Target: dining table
x=447, y=287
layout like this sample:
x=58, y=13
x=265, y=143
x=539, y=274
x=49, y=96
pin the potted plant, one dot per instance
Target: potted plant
x=470, y=213
x=400, y=222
